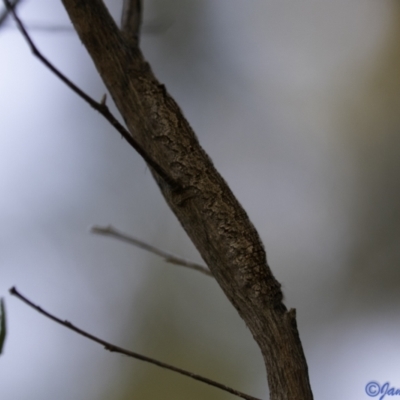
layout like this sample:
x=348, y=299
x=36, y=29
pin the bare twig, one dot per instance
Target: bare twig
x=168, y=257
x=100, y=107
x=6, y=12
x=116, y=349
x=131, y=19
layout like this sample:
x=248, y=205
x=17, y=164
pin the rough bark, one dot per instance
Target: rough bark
x=203, y=203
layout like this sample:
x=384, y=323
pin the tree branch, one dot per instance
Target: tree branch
x=168, y=257
x=203, y=203
x=116, y=349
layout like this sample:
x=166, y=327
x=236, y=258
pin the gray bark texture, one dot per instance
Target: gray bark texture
x=197, y=194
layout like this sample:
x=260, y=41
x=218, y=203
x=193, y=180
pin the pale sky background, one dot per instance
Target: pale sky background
x=298, y=104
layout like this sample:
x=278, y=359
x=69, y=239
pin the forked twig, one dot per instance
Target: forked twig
x=116, y=349
x=168, y=257
x=7, y=11
x=101, y=106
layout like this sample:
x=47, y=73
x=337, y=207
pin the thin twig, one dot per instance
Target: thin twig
x=6, y=12
x=168, y=257
x=116, y=349
x=100, y=107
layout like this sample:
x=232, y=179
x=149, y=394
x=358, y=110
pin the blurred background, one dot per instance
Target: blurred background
x=298, y=105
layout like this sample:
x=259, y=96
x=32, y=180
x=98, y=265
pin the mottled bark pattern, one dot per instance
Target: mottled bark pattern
x=201, y=200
